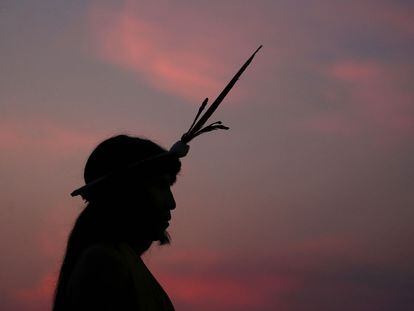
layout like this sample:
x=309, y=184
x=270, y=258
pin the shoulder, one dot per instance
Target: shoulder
x=100, y=280
x=100, y=263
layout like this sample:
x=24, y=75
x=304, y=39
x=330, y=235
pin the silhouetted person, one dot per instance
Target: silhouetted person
x=102, y=268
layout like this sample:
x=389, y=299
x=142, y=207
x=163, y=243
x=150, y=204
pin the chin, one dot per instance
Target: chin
x=164, y=238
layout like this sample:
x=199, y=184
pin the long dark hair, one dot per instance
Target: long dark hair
x=104, y=218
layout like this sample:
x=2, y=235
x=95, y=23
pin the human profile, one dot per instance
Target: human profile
x=102, y=268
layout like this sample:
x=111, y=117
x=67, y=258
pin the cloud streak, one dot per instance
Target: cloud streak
x=155, y=52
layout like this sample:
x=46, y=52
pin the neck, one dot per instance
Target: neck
x=140, y=246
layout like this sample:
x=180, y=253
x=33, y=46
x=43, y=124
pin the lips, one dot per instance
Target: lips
x=166, y=219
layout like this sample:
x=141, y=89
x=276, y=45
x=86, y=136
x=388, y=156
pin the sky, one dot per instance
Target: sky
x=306, y=203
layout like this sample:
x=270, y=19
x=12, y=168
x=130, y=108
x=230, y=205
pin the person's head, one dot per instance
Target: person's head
x=137, y=199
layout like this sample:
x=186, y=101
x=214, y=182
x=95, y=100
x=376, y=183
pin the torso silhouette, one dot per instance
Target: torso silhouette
x=108, y=277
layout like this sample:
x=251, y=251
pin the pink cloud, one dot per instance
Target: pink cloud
x=206, y=279
x=373, y=98
x=43, y=135
x=403, y=20
x=184, y=61
x=215, y=290
x=352, y=71
x=377, y=92
x=37, y=297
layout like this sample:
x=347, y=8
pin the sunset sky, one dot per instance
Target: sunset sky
x=306, y=203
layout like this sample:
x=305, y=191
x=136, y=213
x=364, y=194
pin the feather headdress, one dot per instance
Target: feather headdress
x=180, y=148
